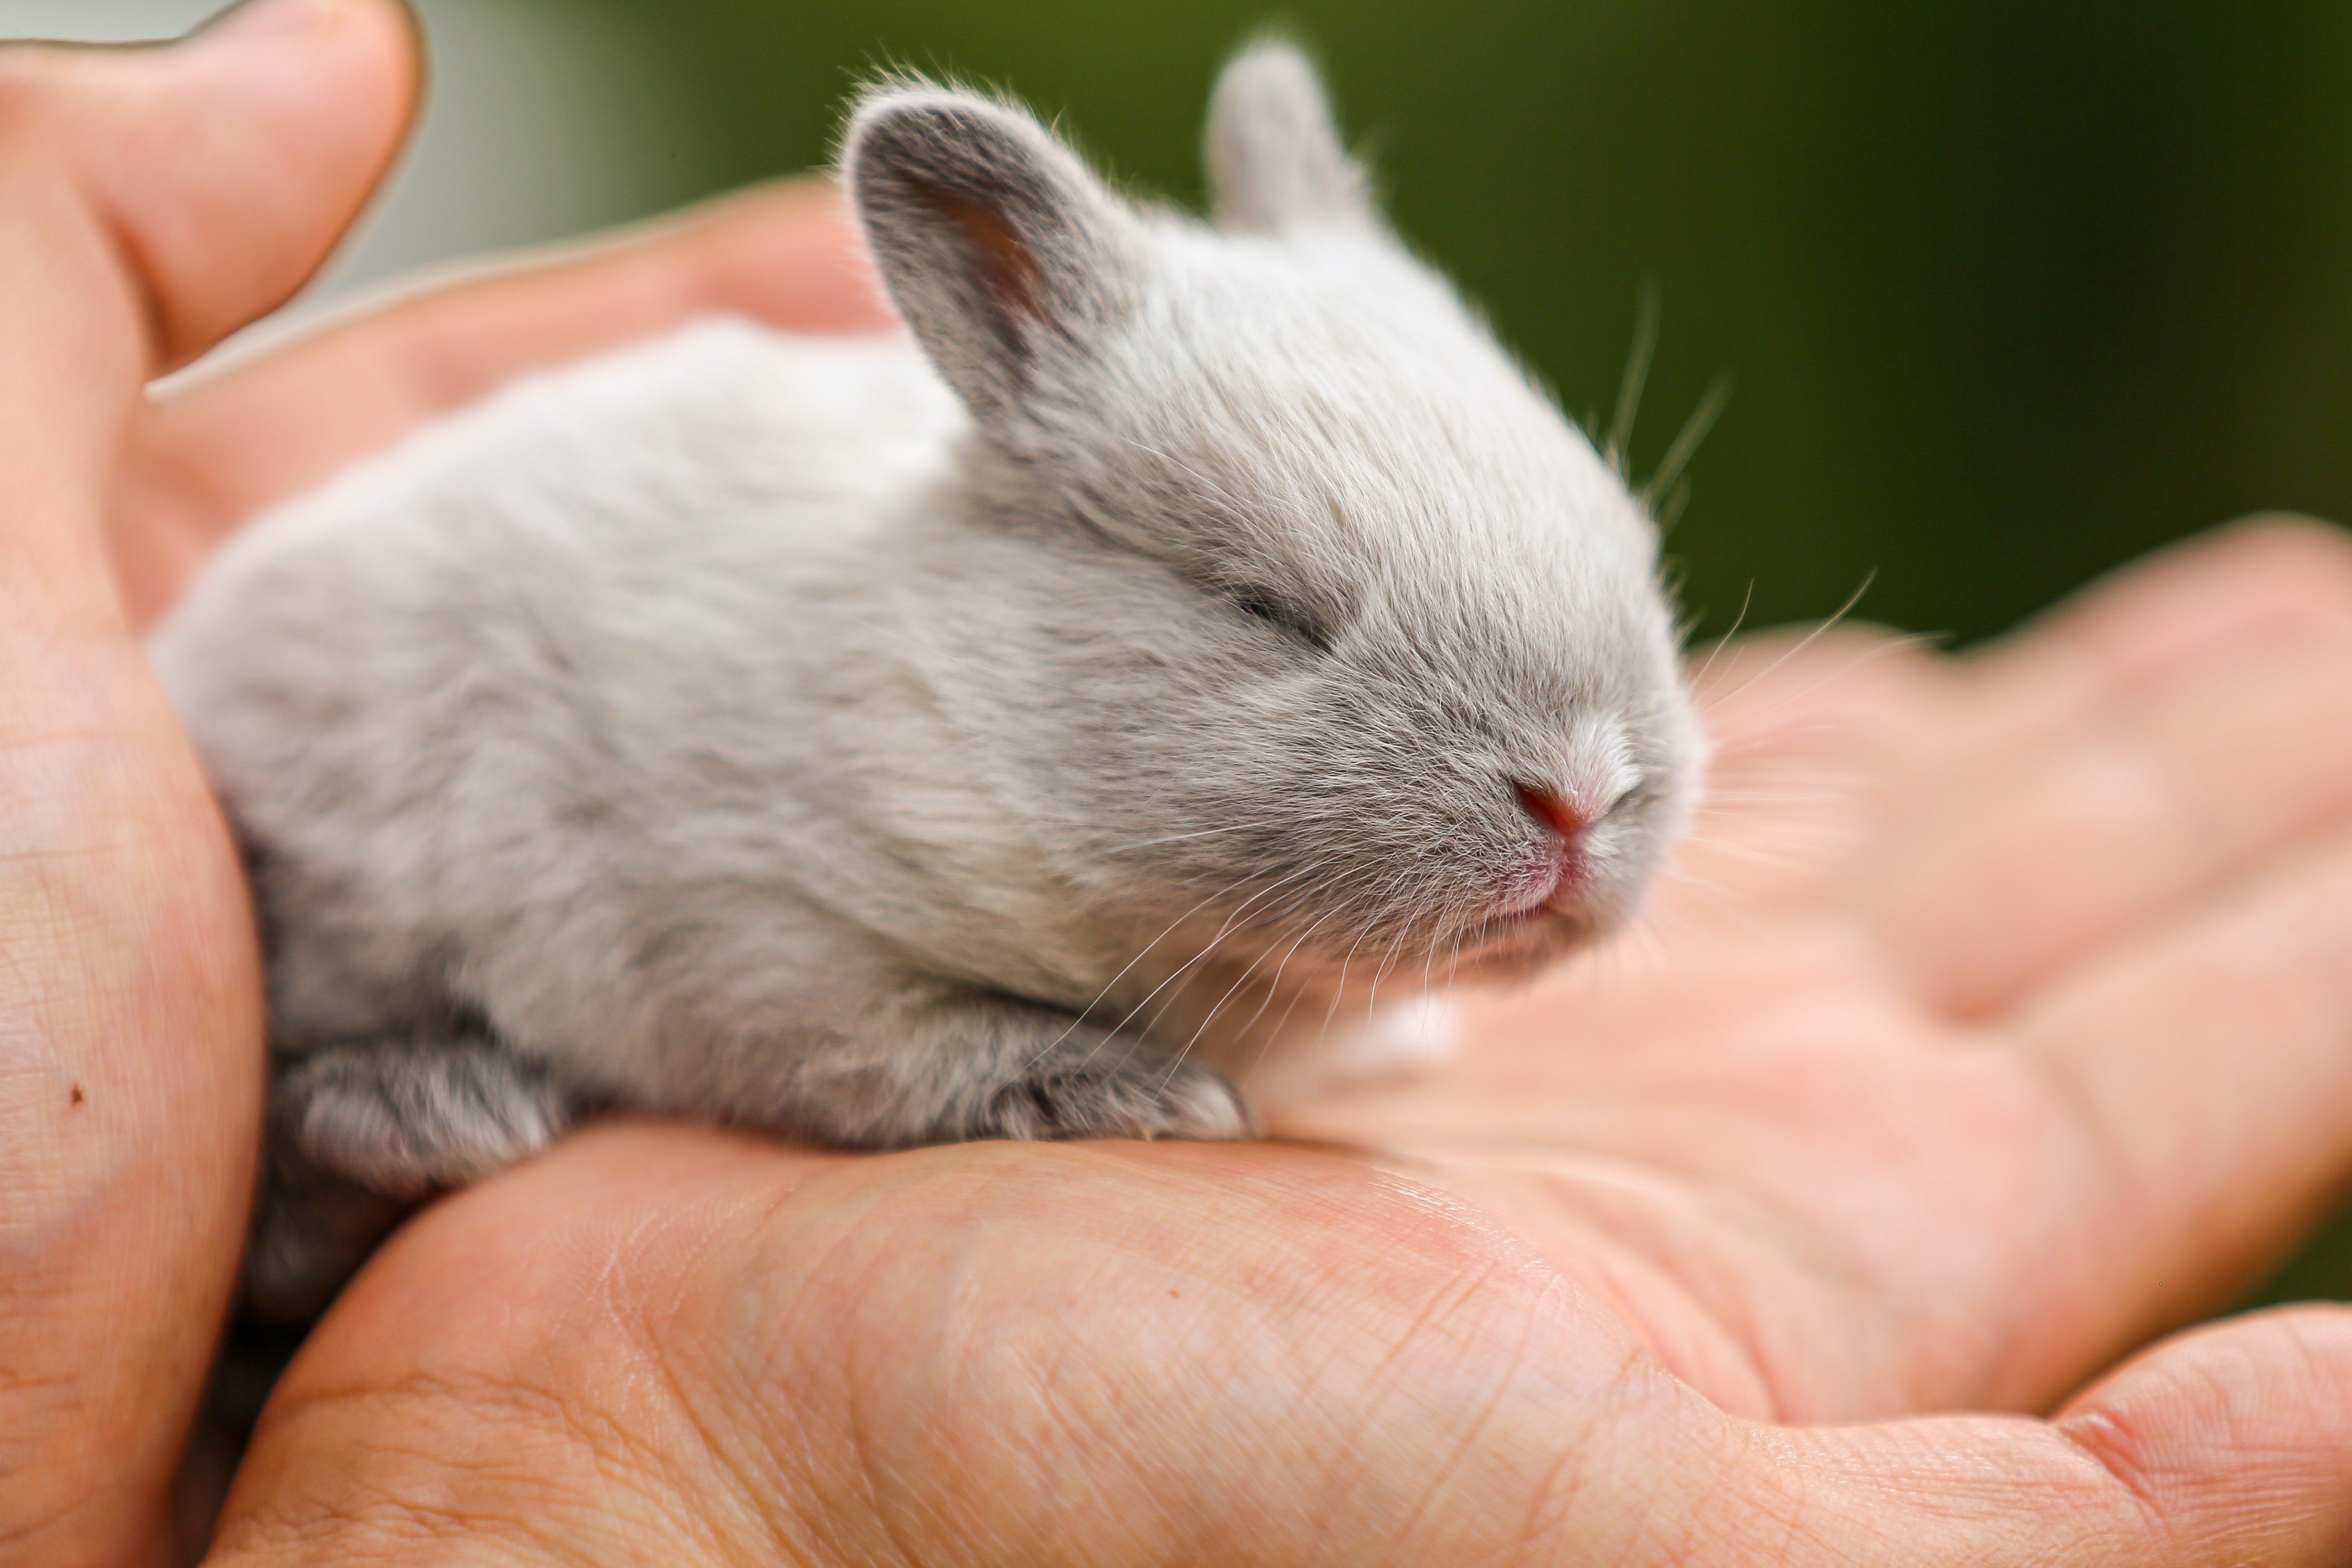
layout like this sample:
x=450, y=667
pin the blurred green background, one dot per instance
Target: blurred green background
x=2010, y=292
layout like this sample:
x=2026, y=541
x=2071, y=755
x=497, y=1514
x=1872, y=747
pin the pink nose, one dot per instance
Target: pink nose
x=1568, y=866
x=1554, y=812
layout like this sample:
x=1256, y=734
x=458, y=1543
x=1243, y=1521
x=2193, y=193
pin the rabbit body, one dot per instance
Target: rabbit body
x=1189, y=639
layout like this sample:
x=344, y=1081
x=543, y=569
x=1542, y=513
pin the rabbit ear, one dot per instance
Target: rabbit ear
x=997, y=245
x=1275, y=163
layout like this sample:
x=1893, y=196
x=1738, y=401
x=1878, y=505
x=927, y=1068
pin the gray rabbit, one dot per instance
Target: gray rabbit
x=1195, y=638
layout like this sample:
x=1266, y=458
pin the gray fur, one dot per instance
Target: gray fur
x=753, y=727
x=1002, y=252
x=1275, y=161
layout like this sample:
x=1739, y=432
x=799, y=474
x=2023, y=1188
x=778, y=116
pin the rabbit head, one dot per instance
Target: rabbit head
x=1286, y=605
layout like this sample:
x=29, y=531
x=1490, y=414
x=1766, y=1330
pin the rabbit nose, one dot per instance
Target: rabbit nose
x=1554, y=811
x=1570, y=867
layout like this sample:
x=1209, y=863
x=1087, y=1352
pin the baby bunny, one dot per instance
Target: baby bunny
x=1192, y=637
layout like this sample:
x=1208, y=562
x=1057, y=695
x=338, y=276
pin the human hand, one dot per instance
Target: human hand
x=151, y=201
x=2002, y=1022
x=1546, y=1303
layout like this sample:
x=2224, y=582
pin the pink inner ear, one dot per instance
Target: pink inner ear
x=1002, y=263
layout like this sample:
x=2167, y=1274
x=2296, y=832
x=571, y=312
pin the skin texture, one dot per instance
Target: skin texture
x=2003, y=1024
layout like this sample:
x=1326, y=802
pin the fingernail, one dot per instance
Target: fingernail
x=272, y=18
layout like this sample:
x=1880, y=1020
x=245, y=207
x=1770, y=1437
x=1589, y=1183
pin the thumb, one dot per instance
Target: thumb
x=157, y=198
x=2229, y=1446
x=225, y=168
x=2237, y=1436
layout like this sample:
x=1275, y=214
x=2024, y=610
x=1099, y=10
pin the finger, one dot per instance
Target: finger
x=159, y=198
x=169, y=183
x=2230, y=1446
x=2172, y=607
x=2149, y=616
x=2172, y=729
x=2238, y=1436
x=209, y=457
x=131, y=1032
x=2209, y=1064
